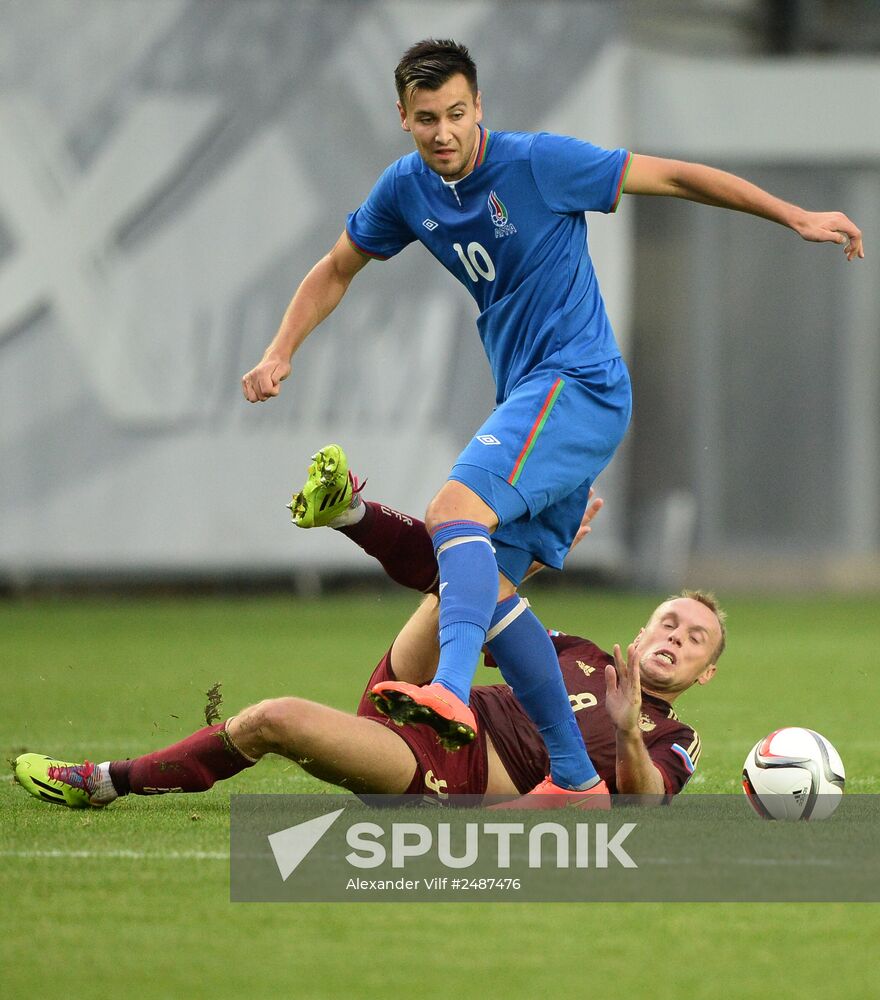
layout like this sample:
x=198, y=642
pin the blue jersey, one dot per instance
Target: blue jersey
x=513, y=232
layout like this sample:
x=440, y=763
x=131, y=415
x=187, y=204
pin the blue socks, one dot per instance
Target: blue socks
x=528, y=662
x=522, y=648
x=468, y=594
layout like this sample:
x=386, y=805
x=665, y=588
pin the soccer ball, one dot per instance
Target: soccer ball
x=793, y=773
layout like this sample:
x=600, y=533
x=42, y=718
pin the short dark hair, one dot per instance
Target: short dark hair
x=430, y=63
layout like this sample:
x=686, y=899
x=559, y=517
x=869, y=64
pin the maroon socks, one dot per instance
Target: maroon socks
x=192, y=765
x=400, y=543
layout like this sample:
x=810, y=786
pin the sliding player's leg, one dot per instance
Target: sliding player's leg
x=342, y=749
x=332, y=497
x=415, y=651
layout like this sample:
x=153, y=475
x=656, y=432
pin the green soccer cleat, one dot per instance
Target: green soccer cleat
x=329, y=491
x=58, y=781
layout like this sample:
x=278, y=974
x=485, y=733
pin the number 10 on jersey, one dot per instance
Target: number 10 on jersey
x=476, y=260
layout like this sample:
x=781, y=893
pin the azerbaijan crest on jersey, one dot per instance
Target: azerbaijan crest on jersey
x=500, y=218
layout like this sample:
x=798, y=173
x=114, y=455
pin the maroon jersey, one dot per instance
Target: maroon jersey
x=674, y=747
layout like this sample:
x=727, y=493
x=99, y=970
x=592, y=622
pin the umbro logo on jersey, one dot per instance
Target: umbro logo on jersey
x=500, y=219
x=430, y=225
x=488, y=439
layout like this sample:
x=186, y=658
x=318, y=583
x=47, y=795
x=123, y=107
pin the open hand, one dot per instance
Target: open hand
x=623, y=689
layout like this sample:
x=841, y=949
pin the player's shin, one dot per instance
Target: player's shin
x=400, y=543
x=468, y=592
x=527, y=660
x=191, y=765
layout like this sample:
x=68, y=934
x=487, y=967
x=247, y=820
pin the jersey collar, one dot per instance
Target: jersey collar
x=659, y=701
x=483, y=147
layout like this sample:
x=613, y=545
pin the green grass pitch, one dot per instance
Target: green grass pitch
x=133, y=901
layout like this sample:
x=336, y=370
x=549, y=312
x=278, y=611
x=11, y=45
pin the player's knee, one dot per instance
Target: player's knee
x=435, y=515
x=458, y=502
x=269, y=724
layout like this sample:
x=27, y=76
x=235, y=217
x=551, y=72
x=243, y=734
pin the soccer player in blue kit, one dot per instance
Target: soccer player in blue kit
x=504, y=212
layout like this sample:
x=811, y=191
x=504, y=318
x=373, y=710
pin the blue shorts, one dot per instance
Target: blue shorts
x=536, y=457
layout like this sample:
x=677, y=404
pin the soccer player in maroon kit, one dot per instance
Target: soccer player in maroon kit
x=623, y=705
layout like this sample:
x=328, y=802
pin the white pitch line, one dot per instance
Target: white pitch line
x=133, y=855
x=224, y=856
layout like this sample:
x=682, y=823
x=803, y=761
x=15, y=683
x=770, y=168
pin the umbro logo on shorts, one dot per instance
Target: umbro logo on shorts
x=488, y=439
x=430, y=225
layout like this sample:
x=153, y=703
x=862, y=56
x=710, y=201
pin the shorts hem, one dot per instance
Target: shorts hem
x=530, y=510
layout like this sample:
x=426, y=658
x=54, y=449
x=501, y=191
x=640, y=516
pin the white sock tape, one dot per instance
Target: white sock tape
x=460, y=541
x=511, y=616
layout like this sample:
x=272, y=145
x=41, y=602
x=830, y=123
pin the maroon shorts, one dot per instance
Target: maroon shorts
x=439, y=773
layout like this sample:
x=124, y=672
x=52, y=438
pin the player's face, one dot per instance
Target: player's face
x=443, y=124
x=677, y=646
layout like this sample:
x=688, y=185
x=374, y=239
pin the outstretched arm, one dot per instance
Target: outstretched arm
x=318, y=295
x=696, y=182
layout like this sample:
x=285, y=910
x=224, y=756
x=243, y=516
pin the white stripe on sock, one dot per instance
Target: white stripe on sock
x=460, y=541
x=510, y=617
